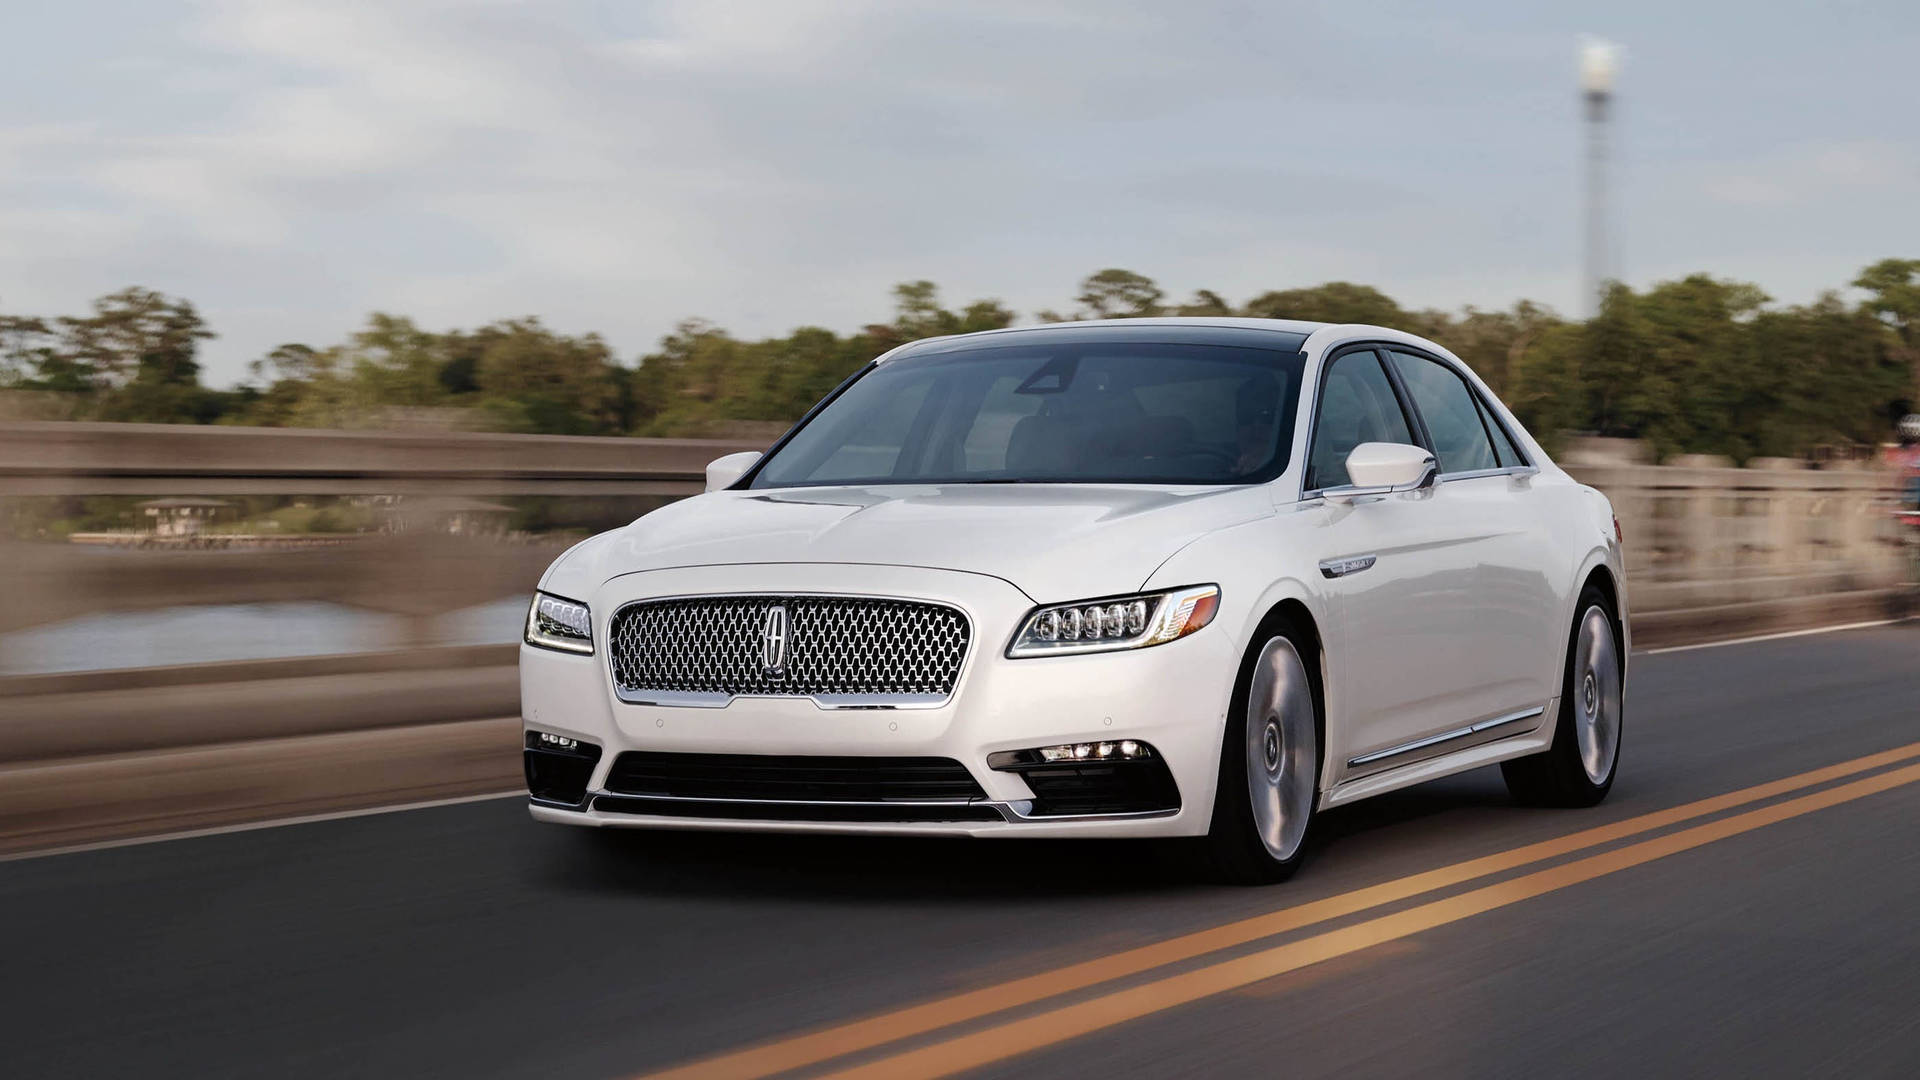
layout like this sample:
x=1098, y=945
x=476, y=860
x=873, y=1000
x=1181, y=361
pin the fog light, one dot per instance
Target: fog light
x=1124, y=750
x=1118, y=776
x=558, y=768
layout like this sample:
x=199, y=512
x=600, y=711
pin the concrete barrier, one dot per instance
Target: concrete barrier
x=1715, y=551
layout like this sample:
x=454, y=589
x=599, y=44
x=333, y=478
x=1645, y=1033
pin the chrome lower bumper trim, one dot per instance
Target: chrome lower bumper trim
x=1013, y=812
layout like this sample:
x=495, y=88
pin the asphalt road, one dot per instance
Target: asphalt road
x=466, y=940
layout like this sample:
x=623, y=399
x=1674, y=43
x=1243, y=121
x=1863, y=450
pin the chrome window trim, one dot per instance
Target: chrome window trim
x=1476, y=474
x=1310, y=407
x=696, y=699
x=1443, y=478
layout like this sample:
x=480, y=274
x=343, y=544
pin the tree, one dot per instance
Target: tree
x=1119, y=294
x=1698, y=364
x=1493, y=342
x=1205, y=302
x=533, y=379
x=25, y=345
x=137, y=356
x=1333, y=302
x=132, y=334
x=1895, y=285
x=398, y=362
x=917, y=313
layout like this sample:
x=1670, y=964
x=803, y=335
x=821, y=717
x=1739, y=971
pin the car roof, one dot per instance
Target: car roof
x=1194, y=328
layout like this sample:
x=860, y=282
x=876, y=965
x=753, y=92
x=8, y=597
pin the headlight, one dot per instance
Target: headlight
x=1121, y=622
x=553, y=623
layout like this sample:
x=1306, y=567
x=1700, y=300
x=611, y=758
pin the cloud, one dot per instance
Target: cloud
x=293, y=164
x=1815, y=172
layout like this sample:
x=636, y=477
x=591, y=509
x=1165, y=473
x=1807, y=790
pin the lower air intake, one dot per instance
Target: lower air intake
x=558, y=774
x=792, y=778
x=1106, y=787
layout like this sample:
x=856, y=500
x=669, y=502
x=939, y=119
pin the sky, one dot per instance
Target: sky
x=291, y=165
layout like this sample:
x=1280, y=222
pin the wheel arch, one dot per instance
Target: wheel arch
x=1598, y=569
x=1291, y=610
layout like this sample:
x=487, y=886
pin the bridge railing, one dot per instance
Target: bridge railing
x=1714, y=550
x=411, y=714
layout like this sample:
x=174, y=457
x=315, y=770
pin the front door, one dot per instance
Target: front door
x=1429, y=587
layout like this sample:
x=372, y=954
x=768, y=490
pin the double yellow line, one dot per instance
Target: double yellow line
x=1056, y=1025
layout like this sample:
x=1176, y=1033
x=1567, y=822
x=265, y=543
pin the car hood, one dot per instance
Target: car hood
x=1053, y=541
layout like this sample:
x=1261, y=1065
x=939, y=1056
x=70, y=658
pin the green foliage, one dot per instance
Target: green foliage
x=1334, y=302
x=702, y=379
x=1895, y=288
x=134, y=358
x=1120, y=294
x=1698, y=365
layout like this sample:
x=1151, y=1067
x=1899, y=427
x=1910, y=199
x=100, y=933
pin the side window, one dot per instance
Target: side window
x=1502, y=443
x=1452, y=414
x=1357, y=405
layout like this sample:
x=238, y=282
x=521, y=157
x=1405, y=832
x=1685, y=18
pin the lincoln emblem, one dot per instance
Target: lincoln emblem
x=774, y=642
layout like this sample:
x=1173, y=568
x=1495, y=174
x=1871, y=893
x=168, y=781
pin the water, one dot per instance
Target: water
x=212, y=633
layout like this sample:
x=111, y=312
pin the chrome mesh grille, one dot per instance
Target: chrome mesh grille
x=839, y=647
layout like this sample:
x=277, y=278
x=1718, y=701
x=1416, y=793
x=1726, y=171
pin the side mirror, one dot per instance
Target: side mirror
x=1379, y=468
x=726, y=471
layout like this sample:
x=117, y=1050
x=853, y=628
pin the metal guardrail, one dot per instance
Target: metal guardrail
x=52, y=458
x=95, y=755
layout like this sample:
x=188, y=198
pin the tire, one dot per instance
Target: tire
x=1578, y=769
x=1264, y=803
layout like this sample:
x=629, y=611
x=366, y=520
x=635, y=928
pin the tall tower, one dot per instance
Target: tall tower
x=1599, y=63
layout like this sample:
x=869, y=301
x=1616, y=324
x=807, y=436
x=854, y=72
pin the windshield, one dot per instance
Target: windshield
x=1072, y=413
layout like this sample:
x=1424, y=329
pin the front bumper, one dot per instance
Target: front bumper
x=1173, y=697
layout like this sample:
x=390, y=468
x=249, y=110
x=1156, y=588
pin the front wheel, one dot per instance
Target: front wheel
x=1269, y=768
x=1577, y=770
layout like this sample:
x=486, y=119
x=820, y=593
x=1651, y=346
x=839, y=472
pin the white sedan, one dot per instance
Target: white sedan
x=1142, y=578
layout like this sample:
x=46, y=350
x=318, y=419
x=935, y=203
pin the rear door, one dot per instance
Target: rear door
x=1504, y=663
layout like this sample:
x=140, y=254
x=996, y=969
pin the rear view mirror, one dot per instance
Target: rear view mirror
x=1380, y=468
x=724, y=472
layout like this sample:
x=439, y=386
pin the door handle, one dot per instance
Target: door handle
x=1352, y=564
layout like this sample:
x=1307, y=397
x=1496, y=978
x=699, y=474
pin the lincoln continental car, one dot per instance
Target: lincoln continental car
x=1196, y=578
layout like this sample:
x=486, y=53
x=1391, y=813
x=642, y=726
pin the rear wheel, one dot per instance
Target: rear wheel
x=1269, y=767
x=1578, y=769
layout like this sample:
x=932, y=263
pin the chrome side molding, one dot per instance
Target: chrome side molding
x=1430, y=741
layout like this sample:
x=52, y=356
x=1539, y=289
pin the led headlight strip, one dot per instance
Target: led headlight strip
x=556, y=623
x=1120, y=622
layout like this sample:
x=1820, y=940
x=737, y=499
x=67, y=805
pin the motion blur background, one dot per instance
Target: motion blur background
x=422, y=292
x=325, y=325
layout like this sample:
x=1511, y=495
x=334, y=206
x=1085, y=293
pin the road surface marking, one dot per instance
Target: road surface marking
x=1060, y=1025
x=1771, y=637
x=249, y=826
x=875, y=1031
